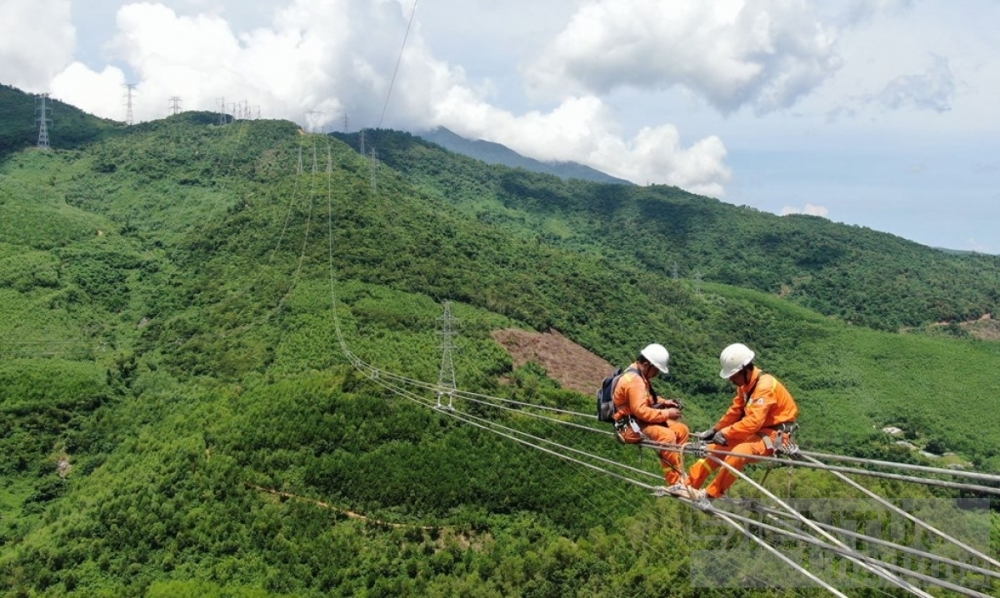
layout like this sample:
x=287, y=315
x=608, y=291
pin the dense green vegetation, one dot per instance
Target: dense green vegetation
x=70, y=126
x=857, y=274
x=168, y=350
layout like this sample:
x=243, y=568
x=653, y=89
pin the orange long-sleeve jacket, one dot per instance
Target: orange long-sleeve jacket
x=763, y=402
x=634, y=396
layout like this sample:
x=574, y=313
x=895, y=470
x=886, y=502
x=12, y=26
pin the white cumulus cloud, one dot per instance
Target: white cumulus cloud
x=733, y=53
x=37, y=40
x=321, y=60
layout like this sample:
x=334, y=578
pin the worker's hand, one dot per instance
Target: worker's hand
x=706, y=435
x=719, y=439
x=670, y=404
x=673, y=413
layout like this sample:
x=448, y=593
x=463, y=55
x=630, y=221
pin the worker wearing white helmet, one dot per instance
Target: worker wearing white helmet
x=640, y=414
x=762, y=414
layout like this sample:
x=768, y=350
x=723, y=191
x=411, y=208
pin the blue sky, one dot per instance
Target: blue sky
x=878, y=113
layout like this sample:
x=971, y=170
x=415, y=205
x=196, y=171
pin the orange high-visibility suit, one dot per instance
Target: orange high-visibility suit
x=633, y=398
x=759, y=406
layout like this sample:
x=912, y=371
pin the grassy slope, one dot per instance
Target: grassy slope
x=234, y=378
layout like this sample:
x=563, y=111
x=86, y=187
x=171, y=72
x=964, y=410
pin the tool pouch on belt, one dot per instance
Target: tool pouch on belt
x=627, y=431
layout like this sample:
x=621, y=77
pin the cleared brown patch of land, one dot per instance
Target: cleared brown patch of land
x=566, y=362
x=985, y=328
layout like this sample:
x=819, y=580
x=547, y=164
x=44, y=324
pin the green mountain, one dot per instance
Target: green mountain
x=856, y=274
x=494, y=153
x=177, y=417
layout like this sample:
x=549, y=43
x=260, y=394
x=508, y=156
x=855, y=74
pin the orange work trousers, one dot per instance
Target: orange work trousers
x=672, y=432
x=751, y=447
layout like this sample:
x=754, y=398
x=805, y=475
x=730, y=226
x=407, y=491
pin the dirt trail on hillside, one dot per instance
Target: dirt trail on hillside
x=568, y=363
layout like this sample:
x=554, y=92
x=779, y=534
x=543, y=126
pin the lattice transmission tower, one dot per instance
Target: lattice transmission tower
x=43, y=122
x=446, y=377
x=129, y=89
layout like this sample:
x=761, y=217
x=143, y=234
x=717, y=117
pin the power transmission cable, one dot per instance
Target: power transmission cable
x=398, y=60
x=915, y=520
x=784, y=530
x=777, y=514
x=952, y=472
x=852, y=555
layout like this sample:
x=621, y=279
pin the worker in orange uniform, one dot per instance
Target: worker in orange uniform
x=762, y=414
x=641, y=415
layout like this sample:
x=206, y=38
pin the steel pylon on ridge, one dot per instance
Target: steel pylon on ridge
x=446, y=376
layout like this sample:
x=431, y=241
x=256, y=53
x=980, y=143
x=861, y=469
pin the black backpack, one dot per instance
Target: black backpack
x=606, y=396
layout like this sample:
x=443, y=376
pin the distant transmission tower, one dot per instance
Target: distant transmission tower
x=311, y=120
x=362, y=142
x=675, y=272
x=345, y=123
x=222, y=109
x=446, y=377
x=43, y=122
x=129, y=88
x=299, y=171
x=175, y=105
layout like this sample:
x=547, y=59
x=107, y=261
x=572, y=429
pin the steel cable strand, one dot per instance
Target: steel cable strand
x=467, y=396
x=851, y=554
x=485, y=422
x=382, y=373
x=461, y=417
x=788, y=531
x=474, y=396
x=502, y=407
x=814, y=464
x=728, y=518
x=888, y=504
x=924, y=468
x=773, y=513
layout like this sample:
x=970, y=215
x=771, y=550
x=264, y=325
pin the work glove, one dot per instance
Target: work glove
x=673, y=413
x=719, y=439
x=706, y=435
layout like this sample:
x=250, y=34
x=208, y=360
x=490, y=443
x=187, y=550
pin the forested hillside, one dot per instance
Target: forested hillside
x=70, y=126
x=169, y=362
x=856, y=274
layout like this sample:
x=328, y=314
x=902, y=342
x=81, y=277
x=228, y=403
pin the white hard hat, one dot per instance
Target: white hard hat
x=734, y=358
x=657, y=355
